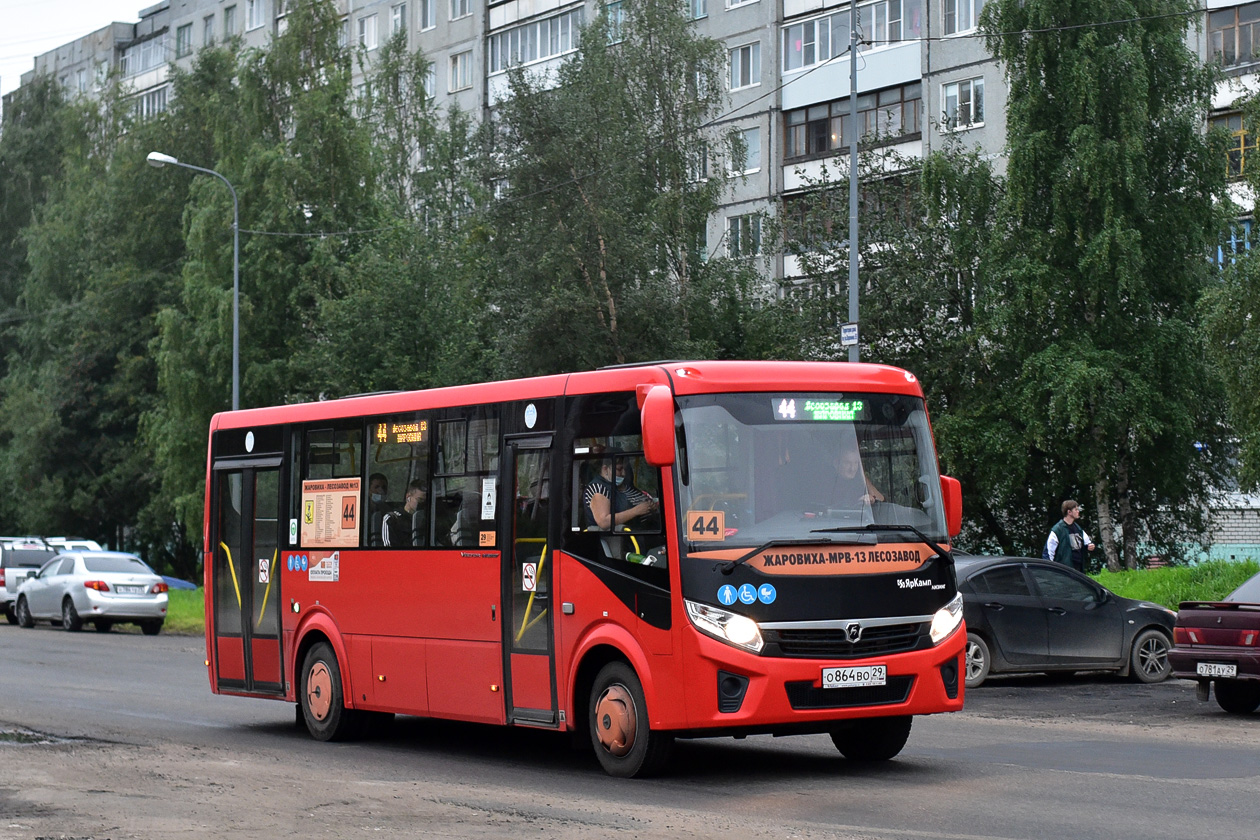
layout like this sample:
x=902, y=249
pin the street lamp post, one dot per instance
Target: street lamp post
x=158, y=160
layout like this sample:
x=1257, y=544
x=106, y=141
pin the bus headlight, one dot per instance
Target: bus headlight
x=738, y=630
x=947, y=619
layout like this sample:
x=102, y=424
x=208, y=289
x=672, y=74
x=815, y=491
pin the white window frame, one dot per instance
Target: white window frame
x=738, y=228
x=229, y=22
x=368, y=32
x=699, y=9
x=397, y=18
x=734, y=4
x=183, y=40
x=460, y=9
x=752, y=151
x=207, y=31
x=460, y=77
x=972, y=90
x=428, y=14
x=430, y=82
x=538, y=40
x=966, y=14
x=745, y=57
x=255, y=14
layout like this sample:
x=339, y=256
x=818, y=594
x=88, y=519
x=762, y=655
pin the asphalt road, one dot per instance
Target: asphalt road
x=117, y=736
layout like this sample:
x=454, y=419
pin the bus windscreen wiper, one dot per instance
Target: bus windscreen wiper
x=877, y=527
x=731, y=564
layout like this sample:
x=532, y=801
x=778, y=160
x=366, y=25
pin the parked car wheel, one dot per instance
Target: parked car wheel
x=104, y=626
x=24, y=613
x=1238, y=697
x=1148, y=662
x=978, y=660
x=873, y=739
x=70, y=616
x=151, y=628
x=621, y=735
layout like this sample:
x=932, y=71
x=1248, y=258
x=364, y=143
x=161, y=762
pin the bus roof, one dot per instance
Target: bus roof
x=684, y=377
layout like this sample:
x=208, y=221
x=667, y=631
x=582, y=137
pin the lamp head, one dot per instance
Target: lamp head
x=158, y=160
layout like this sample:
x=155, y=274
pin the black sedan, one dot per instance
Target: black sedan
x=1026, y=615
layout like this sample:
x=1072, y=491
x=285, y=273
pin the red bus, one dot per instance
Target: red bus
x=632, y=554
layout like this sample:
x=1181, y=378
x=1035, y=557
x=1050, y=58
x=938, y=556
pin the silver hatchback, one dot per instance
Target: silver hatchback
x=101, y=587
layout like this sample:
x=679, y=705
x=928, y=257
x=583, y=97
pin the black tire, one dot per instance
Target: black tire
x=977, y=659
x=10, y=613
x=151, y=628
x=621, y=734
x=873, y=739
x=323, y=703
x=70, y=616
x=1148, y=661
x=1238, y=697
x=24, y=618
x=104, y=626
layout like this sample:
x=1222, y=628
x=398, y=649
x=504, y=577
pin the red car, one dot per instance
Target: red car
x=1219, y=642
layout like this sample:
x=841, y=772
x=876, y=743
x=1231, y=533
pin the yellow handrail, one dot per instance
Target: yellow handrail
x=232, y=569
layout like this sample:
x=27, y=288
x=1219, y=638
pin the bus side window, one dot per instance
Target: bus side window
x=398, y=453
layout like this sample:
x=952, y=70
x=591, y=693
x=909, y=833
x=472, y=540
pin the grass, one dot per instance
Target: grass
x=1171, y=585
x=186, y=610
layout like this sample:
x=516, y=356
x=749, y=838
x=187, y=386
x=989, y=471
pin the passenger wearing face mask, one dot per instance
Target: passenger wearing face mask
x=378, y=501
x=611, y=500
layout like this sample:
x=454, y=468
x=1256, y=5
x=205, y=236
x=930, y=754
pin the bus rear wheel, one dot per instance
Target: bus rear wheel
x=872, y=739
x=323, y=704
x=621, y=734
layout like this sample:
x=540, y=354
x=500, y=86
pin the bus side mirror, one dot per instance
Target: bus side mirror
x=658, y=426
x=951, y=494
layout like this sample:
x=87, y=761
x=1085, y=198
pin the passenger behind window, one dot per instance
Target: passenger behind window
x=611, y=500
x=410, y=526
x=378, y=506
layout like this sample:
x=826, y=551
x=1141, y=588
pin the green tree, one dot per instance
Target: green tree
x=1109, y=213
x=597, y=236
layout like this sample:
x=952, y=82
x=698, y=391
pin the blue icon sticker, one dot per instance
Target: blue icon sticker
x=304, y=562
x=747, y=593
x=290, y=561
x=727, y=595
x=766, y=593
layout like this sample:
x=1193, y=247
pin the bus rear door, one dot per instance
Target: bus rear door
x=527, y=574
x=245, y=578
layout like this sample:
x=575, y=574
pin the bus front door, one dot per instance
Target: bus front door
x=245, y=580
x=529, y=640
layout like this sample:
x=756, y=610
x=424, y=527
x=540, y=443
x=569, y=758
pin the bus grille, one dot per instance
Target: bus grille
x=806, y=695
x=832, y=644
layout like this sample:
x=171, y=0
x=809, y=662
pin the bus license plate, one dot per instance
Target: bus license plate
x=854, y=677
x=1213, y=669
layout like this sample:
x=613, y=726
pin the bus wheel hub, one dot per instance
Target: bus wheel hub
x=615, y=723
x=319, y=691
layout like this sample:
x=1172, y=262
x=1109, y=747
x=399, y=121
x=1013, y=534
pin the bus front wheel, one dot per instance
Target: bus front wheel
x=621, y=734
x=872, y=739
x=323, y=704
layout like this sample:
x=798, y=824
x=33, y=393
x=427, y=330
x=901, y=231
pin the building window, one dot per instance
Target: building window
x=962, y=104
x=145, y=56
x=461, y=71
x=343, y=34
x=430, y=82
x=1242, y=143
x=752, y=150
x=150, y=104
x=699, y=9
x=398, y=19
x=1237, y=240
x=1232, y=34
x=884, y=115
x=536, y=41
x=616, y=21
x=730, y=4
x=746, y=66
x=428, y=14
x=743, y=235
x=229, y=22
x=960, y=15
x=459, y=9
x=811, y=42
x=207, y=31
x=183, y=41
x=255, y=14
x=367, y=32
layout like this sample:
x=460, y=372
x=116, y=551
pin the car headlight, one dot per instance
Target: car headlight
x=738, y=630
x=947, y=619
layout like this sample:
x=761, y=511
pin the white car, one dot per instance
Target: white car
x=101, y=587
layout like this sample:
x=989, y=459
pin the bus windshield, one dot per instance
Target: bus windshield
x=797, y=467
